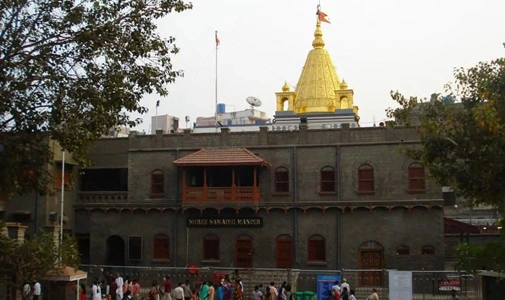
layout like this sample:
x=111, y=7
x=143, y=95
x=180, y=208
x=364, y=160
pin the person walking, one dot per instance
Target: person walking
x=120, y=283
x=454, y=296
x=238, y=293
x=82, y=293
x=167, y=287
x=136, y=289
x=345, y=285
x=154, y=293
x=27, y=291
x=220, y=291
x=179, y=292
x=351, y=295
x=204, y=291
x=37, y=290
x=187, y=290
x=257, y=294
x=212, y=291
x=96, y=292
x=373, y=295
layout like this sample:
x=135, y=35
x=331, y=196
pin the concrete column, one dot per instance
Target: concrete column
x=55, y=231
x=16, y=231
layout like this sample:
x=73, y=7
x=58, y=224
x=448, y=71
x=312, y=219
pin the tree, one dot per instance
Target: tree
x=463, y=144
x=69, y=71
x=23, y=261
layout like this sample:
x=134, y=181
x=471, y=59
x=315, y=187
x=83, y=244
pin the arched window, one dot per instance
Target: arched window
x=427, y=250
x=402, y=250
x=284, y=251
x=316, y=248
x=327, y=179
x=281, y=178
x=366, y=178
x=157, y=182
x=416, y=177
x=285, y=104
x=211, y=247
x=161, y=247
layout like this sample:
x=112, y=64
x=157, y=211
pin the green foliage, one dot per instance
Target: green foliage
x=71, y=70
x=463, y=146
x=34, y=257
x=488, y=256
x=463, y=143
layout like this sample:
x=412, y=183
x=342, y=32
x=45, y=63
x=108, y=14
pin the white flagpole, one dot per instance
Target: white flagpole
x=156, y=118
x=62, y=203
x=215, y=104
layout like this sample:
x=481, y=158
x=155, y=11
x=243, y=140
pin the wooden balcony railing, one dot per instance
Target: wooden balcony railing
x=102, y=197
x=208, y=195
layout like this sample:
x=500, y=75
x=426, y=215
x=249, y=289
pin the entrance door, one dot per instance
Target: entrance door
x=243, y=252
x=370, y=260
x=115, y=251
x=283, y=252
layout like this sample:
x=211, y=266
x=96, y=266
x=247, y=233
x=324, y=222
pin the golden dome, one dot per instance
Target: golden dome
x=343, y=85
x=285, y=87
x=315, y=91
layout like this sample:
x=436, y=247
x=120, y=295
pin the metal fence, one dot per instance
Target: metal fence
x=425, y=284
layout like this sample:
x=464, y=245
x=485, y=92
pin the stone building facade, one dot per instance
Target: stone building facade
x=326, y=199
x=318, y=192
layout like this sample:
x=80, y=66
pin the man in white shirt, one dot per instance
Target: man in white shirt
x=27, y=290
x=37, y=290
x=179, y=292
x=345, y=284
x=119, y=282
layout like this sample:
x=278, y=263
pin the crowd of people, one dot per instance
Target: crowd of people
x=343, y=291
x=115, y=287
x=32, y=290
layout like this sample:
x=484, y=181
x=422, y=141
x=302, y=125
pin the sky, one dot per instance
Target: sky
x=376, y=46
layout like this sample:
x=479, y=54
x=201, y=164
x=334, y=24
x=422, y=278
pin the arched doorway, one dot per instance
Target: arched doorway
x=371, y=257
x=243, y=252
x=115, y=251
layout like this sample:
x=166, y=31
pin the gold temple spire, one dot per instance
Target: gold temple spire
x=285, y=87
x=318, y=36
x=315, y=91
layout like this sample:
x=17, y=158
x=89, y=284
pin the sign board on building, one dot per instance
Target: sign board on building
x=324, y=285
x=449, y=285
x=400, y=285
x=224, y=222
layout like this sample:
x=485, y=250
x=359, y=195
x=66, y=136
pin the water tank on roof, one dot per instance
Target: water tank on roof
x=221, y=108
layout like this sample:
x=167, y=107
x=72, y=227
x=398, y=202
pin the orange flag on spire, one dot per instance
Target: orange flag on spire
x=217, y=40
x=321, y=15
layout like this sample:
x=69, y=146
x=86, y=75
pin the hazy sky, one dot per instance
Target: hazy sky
x=376, y=46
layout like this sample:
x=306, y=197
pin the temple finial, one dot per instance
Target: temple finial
x=318, y=36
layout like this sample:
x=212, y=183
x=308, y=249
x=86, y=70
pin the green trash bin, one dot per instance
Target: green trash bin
x=298, y=295
x=308, y=295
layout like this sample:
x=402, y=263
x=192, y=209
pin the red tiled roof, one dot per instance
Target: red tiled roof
x=221, y=157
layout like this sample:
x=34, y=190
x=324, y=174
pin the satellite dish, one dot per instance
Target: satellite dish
x=253, y=101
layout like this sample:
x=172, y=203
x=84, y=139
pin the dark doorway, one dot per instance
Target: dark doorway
x=371, y=257
x=283, y=252
x=243, y=252
x=115, y=251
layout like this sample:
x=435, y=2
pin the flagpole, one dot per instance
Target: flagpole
x=215, y=100
x=61, y=206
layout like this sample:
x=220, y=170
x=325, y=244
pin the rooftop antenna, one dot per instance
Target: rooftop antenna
x=253, y=101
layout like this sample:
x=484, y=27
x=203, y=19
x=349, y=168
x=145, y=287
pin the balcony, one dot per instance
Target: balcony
x=221, y=195
x=86, y=198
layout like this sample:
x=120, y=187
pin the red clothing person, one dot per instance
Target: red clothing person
x=82, y=295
